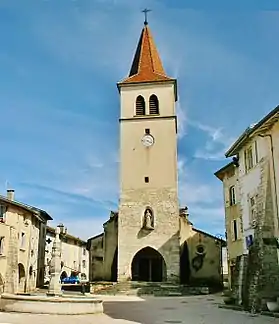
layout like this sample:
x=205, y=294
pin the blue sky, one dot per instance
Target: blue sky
x=59, y=105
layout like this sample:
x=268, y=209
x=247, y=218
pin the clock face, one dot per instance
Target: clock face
x=147, y=140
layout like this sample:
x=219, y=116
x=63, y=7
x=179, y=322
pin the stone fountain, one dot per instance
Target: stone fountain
x=53, y=302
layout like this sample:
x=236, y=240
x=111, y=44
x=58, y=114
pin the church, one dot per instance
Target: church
x=150, y=237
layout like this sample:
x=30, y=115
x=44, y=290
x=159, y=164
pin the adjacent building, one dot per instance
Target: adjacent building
x=250, y=184
x=74, y=254
x=233, y=219
x=22, y=245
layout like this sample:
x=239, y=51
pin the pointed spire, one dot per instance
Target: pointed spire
x=147, y=65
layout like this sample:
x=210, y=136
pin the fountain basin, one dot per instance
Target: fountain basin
x=68, y=305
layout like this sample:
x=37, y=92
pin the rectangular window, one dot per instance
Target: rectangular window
x=147, y=131
x=1, y=245
x=253, y=209
x=234, y=230
x=248, y=155
x=232, y=195
x=146, y=179
x=84, y=263
x=2, y=213
x=84, y=251
x=22, y=240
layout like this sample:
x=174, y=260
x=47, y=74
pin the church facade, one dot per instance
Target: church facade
x=150, y=237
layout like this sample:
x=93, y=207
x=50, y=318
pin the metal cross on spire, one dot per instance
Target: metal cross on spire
x=145, y=11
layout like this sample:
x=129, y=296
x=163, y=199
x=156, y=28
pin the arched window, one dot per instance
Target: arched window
x=153, y=105
x=140, y=106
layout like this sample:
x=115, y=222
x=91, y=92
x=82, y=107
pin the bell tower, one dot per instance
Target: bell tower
x=148, y=223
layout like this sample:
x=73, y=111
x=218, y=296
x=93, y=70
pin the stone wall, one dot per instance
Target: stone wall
x=11, y=276
x=262, y=273
x=165, y=236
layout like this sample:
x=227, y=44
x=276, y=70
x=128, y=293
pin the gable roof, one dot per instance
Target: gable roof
x=221, y=172
x=262, y=126
x=52, y=230
x=39, y=213
x=209, y=235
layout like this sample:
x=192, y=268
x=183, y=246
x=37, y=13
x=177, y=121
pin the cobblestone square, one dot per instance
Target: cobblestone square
x=151, y=310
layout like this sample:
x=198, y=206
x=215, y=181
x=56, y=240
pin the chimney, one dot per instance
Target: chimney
x=11, y=194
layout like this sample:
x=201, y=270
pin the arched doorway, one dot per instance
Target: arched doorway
x=63, y=275
x=185, y=269
x=148, y=265
x=21, y=277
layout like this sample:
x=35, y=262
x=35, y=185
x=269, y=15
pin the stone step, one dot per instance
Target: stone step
x=146, y=288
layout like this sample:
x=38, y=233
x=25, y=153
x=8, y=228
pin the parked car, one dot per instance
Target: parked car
x=71, y=280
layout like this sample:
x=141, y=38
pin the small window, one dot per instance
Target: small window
x=146, y=179
x=236, y=229
x=248, y=156
x=232, y=195
x=22, y=241
x=84, y=251
x=83, y=263
x=153, y=105
x=235, y=232
x=2, y=213
x=147, y=131
x=140, y=106
x=1, y=245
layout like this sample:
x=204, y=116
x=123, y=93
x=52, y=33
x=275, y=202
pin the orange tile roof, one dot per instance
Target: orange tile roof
x=147, y=65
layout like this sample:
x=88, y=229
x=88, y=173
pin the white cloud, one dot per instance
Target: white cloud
x=181, y=120
x=216, y=144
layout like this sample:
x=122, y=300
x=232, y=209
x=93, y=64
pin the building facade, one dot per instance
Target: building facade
x=74, y=255
x=255, y=155
x=22, y=245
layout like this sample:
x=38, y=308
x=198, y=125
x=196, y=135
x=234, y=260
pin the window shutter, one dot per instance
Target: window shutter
x=232, y=231
x=239, y=231
x=245, y=160
x=256, y=152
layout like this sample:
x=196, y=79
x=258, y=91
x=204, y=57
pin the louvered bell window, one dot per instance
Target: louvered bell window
x=153, y=105
x=140, y=106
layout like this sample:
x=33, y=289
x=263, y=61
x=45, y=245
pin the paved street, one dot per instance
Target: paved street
x=124, y=310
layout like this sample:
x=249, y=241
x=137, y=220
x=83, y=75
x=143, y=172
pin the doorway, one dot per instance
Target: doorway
x=148, y=265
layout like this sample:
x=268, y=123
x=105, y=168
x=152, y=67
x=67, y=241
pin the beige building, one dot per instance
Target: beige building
x=233, y=221
x=22, y=245
x=255, y=184
x=74, y=255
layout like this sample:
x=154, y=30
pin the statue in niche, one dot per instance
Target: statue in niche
x=148, y=221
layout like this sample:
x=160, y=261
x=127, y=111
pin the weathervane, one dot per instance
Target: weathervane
x=145, y=11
